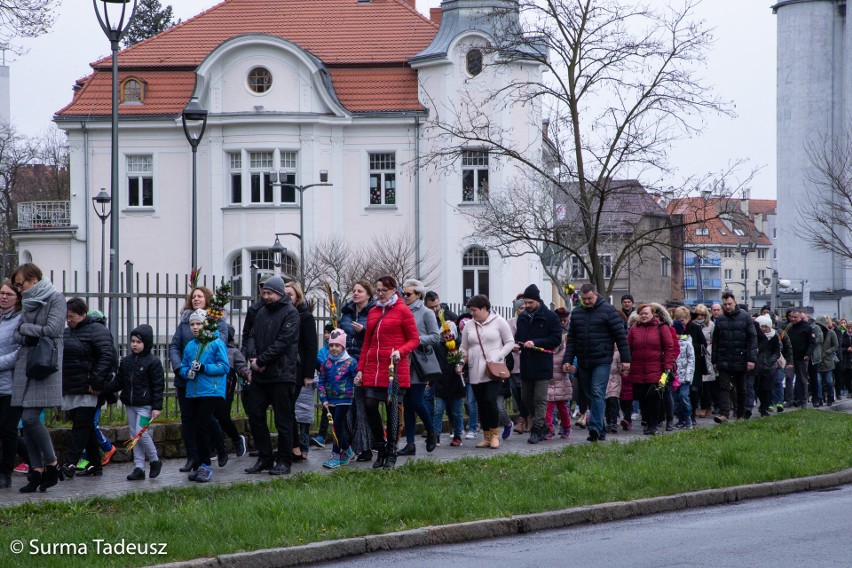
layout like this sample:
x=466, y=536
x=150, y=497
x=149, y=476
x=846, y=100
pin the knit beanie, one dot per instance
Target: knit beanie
x=678, y=327
x=532, y=293
x=198, y=315
x=275, y=284
x=338, y=336
x=627, y=297
x=764, y=321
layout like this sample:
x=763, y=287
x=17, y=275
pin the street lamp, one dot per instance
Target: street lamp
x=114, y=21
x=301, y=189
x=279, y=251
x=100, y=203
x=745, y=249
x=194, y=119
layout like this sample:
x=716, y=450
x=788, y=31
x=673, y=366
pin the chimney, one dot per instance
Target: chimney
x=435, y=15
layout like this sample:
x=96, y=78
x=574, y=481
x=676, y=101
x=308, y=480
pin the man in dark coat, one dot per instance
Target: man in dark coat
x=594, y=331
x=273, y=354
x=734, y=354
x=803, y=341
x=538, y=328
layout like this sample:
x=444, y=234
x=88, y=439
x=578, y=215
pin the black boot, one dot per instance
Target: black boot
x=365, y=456
x=189, y=465
x=33, y=481
x=390, y=459
x=380, y=459
x=408, y=450
x=49, y=478
x=431, y=441
x=262, y=464
x=535, y=436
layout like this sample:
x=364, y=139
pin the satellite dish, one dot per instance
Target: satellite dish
x=784, y=284
x=767, y=281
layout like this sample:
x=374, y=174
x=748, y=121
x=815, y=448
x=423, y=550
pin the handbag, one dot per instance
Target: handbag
x=426, y=363
x=495, y=371
x=43, y=359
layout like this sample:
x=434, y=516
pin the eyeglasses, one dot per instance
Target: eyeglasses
x=382, y=290
x=9, y=294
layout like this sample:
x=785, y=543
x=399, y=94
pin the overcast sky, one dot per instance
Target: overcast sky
x=741, y=67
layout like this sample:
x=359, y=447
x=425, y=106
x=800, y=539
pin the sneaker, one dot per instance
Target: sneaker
x=549, y=435
x=136, y=475
x=669, y=426
x=456, y=442
x=156, y=467
x=240, y=449
x=280, y=469
x=22, y=469
x=565, y=434
x=108, y=456
x=83, y=463
x=581, y=421
x=318, y=442
x=437, y=440
x=626, y=424
x=721, y=419
x=347, y=457
x=779, y=408
x=684, y=425
x=205, y=474
x=634, y=416
x=470, y=435
x=612, y=428
x=593, y=436
x=507, y=430
x=332, y=463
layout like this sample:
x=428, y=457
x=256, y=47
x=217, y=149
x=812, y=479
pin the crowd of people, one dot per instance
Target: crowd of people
x=397, y=346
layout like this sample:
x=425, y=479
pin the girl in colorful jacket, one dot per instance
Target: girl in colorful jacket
x=336, y=386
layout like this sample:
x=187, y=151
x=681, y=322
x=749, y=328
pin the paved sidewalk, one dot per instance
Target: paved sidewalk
x=113, y=483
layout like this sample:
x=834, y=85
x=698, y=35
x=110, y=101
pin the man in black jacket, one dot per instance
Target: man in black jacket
x=803, y=341
x=538, y=334
x=594, y=330
x=273, y=353
x=734, y=354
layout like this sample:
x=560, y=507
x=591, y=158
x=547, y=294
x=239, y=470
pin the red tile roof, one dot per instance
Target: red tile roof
x=762, y=206
x=357, y=41
x=166, y=92
x=720, y=216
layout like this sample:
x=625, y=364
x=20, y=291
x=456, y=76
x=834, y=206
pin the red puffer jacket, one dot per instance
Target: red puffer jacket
x=388, y=328
x=647, y=363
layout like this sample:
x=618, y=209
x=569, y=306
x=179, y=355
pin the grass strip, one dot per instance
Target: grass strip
x=210, y=520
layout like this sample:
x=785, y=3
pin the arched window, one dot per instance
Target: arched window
x=473, y=62
x=237, y=274
x=475, y=275
x=132, y=91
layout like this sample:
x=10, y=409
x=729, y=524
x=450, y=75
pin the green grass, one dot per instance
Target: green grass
x=210, y=520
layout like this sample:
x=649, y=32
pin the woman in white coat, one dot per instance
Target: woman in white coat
x=486, y=338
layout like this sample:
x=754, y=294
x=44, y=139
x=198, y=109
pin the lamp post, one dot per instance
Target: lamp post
x=194, y=119
x=745, y=249
x=100, y=203
x=114, y=20
x=301, y=189
x=279, y=251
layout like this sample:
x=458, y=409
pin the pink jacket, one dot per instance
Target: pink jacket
x=560, y=387
x=497, y=341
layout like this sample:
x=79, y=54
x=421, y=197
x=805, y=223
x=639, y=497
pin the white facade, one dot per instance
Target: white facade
x=297, y=128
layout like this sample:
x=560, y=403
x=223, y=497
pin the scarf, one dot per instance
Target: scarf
x=389, y=303
x=338, y=358
x=38, y=295
x=769, y=335
x=6, y=313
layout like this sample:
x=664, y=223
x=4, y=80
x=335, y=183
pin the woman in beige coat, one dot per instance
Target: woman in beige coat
x=486, y=338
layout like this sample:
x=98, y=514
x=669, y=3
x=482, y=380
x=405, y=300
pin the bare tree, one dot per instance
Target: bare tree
x=17, y=154
x=621, y=85
x=827, y=212
x=25, y=18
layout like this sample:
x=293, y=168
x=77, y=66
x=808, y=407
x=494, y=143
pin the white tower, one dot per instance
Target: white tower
x=5, y=91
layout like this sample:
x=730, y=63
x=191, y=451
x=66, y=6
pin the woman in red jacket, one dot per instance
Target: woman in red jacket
x=652, y=351
x=391, y=336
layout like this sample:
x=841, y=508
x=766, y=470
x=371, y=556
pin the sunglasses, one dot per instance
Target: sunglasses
x=409, y=294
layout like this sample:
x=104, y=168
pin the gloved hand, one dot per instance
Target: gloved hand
x=197, y=367
x=190, y=375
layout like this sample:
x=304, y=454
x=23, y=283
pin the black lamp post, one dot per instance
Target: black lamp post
x=745, y=249
x=114, y=21
x=100, y=202
x=278, y=250
x=194, y=119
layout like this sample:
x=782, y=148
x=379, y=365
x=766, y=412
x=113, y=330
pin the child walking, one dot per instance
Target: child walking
x=141, y=381
x=685, y=370
x=559, y=393
x=336, y=386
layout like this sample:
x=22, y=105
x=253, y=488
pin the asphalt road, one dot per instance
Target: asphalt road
x=801, y=530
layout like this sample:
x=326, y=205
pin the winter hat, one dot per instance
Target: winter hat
x=264, y=278
x=275, y=284
x=532, y=293
x=678, y=327
x=764, y=321
x=198, y=315
x=518, y=305
x=628, y=297
x=338, y=336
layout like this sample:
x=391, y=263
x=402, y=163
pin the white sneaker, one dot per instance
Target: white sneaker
x=470, y=435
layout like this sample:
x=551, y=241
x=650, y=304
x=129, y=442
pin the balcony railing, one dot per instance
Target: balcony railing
x=704, y=261
x=706, y=284
x=44, y=214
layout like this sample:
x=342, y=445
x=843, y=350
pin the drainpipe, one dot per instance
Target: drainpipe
x=417, y=197
x=86, y=199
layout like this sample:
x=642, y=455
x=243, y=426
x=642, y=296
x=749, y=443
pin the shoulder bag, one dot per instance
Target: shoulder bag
x=43, y=359
x=495, y=371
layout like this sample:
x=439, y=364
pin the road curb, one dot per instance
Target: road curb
x=518, y=524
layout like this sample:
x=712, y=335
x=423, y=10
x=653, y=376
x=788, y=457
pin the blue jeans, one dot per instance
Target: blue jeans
x=455, y=414
x=472, y=410
x=592, y=382
x=778, y=388
x=826, y=378
x=429, y=397
x=414, y=407
x=683, y=406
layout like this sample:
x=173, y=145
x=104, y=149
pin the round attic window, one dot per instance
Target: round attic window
x=260, y=80
x=474, y=62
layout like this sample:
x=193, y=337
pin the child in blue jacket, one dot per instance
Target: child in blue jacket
x=336, y=386
x=205, y=366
